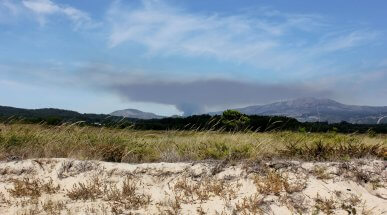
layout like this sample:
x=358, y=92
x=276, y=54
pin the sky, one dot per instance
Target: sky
x=188, y=57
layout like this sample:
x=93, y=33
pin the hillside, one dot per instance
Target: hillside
x=44, y=112
x=320, y=110
x=137, y=114
x=55, y=116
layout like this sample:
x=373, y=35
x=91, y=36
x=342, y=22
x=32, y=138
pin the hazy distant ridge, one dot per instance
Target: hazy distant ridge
x=134, y=113
x=313, y=110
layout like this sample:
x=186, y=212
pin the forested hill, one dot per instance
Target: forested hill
x=55, y=116
x=228, y=121
x=44, y=112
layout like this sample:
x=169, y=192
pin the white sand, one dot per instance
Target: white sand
x=200, y=188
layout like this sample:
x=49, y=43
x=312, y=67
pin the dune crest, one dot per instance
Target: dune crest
x=65, y=186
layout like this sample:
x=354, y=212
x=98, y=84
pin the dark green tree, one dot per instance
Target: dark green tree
x=233, y=120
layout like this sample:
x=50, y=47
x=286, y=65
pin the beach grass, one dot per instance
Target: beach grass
x=22, y=141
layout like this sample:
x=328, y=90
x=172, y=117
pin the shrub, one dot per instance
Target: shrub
x=233, y=120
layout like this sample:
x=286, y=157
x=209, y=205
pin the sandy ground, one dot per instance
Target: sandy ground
x=64, y=186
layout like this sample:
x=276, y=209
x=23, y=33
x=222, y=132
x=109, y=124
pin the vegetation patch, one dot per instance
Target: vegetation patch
x=127, y=145
x=32, y=188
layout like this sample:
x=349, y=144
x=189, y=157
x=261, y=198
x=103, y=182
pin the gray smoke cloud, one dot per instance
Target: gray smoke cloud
x=196, y=96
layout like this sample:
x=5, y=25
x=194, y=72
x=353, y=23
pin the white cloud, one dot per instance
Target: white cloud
x=345, y=41
x=42, y=10
x=162, y=28
x=264, y=38
x=41, y=6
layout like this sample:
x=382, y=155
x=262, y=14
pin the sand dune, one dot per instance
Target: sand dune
x=64, y=186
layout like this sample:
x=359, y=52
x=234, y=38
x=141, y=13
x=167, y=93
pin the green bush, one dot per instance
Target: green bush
x=233, y=120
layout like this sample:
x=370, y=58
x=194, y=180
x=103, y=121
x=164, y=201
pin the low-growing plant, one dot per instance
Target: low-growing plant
x=32, y=188
x=321, y=172
x=349, y=204
x=251, y=205
x=127, y=196
x=4, y=200
x=173, y=206
x=92, y=189
x=273, y=183
x=53, y=207
x=325, y=205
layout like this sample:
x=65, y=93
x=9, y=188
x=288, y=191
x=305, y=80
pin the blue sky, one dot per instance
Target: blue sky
x=174, y=57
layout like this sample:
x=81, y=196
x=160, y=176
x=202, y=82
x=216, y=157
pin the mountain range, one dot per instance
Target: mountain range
x=302, y=109
x=319, y=110
x=134, y=113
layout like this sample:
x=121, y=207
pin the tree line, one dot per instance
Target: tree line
x=230, y=120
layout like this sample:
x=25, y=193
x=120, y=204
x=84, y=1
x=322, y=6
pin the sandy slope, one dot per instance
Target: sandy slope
x=52, y=186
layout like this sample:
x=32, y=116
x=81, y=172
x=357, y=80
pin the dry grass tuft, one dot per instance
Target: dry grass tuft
x=17, y=172
x=32, y=188
x=202, y=190
x=92, y=189
x=297, y=203
x=349, y=204
x=252, y=205
x=72, y=168
x=173, y=206
x=53, y=207
x=127, y=197
x=324, y=205
x=321, y=172
x=120, y=199
x=3, y=200
x=274, y=183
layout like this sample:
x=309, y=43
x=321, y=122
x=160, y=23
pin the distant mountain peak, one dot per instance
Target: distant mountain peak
x=314, y=100
x=310, y=101
x=134, y=113
x=309, y=109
